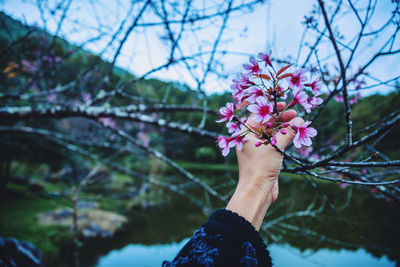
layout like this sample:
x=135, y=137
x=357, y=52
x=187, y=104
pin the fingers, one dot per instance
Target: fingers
x=280, y=106
x=288, y=115
x=255, y=125
x=284, y=140
x=284, y=116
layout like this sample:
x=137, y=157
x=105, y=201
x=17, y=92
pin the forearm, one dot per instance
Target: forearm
x=259, y=168
x=252, y=200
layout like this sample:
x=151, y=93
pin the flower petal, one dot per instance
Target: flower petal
x=311, y=132
x=225, y=151
x=262, y=101
x=232, y=144
x=307, y=141
x=266, y=119
x=253, y=108
x=306, y=124
x=296, y=140
x=240, y=146
x=222, y=143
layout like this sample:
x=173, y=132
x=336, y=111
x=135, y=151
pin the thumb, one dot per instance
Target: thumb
x=284, y=139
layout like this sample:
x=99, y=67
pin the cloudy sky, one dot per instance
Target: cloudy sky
x=272, y=26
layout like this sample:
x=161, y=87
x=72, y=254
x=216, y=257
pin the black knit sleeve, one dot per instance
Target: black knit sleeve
x=226, y=239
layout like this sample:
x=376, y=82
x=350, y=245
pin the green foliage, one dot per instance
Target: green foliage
x=19, y=221
x=374, y=108
x=205, y=153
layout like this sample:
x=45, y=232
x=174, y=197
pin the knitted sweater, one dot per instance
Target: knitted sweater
x=226, y=239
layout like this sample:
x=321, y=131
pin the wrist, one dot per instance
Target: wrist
x=251, y=200
x=263, y=181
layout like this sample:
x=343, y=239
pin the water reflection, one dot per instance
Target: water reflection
x=352, y=229
x=282, y=255
x=141, y=255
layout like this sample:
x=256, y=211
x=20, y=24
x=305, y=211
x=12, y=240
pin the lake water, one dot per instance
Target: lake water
x=282, y=255
x=351, y=227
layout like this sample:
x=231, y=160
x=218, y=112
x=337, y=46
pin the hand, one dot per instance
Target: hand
x=259, y=168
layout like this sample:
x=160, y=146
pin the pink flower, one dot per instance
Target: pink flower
x=227, y=113
x=257, y=90
x=239, y=86
x=28, y=66
x=273, y=140
x=128, y=126
x=280, y=92
x=300, y=97
x=238, y=140
x=303, y=134
x=315, y=157
x=233, y=127
x=144, y=138
x=108, y=122
x=339, y=98
x=225, y=144
x=86, y=97
x=262, y=109
x=315, y=87
x=265, y=58
x=253, y=66
x=242, y=82
x=344, y=185
x=296, y=79
x=305, y=152
x=51, y=97
x=355, y=99
x=358, y=84
x=254, y=93
x=238, y=93
x=314, y=102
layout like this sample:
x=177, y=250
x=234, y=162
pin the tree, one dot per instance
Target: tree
x=49, y=83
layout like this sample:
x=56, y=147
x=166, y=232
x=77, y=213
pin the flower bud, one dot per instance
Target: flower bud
x=273, y=141
x=258, y=144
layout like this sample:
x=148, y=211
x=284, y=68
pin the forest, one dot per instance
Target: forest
x=95, y=157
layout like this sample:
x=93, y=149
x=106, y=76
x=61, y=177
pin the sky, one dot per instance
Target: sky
x=272, y=26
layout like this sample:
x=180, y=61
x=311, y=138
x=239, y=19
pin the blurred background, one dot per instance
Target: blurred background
x=107, y=128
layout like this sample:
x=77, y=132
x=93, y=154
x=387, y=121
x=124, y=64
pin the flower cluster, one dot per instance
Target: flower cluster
x=358, y=84
x=257, y=91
